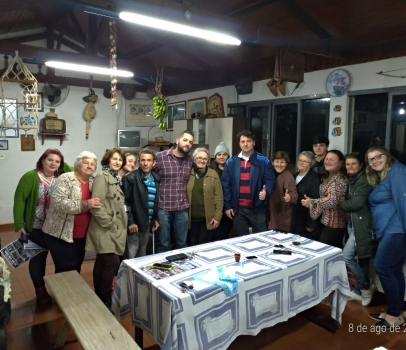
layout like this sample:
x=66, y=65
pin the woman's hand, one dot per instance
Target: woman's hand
x=93, y=203
x=306, y=201
x=287, y=197
x=215, y=223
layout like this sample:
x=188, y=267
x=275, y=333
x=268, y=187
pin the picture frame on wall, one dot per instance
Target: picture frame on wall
x=215, y=105
x=29, y=100
x=196, y=107
x=176, y=111
x=139, y=113
x=3, y=145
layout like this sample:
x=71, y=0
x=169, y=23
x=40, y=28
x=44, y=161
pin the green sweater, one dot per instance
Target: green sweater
x=26, y=199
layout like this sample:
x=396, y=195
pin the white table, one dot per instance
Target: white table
x=271, y=289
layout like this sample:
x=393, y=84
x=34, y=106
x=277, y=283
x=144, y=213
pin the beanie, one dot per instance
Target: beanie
x=222, y=147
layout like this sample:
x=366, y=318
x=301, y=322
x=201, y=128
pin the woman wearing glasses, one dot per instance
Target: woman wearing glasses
x=332, y=191
x=205, y=198
x=360, y=245
x=307, y=184
x=388, y=204
x=284, y=196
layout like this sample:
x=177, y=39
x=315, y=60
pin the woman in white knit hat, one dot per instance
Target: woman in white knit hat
x=221, y=155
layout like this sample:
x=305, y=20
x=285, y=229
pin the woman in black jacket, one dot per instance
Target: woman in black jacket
x=307, y=183
x=360, y=245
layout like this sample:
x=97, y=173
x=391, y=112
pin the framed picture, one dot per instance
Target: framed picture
x=30, y=101
x=215, y=105
x=197, y=107
x=27, y=143
x=11, y=114
x=177, y=111
x=139, y=113
x=3, y=145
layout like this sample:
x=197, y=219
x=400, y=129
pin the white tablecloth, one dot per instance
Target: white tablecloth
x=271, y=289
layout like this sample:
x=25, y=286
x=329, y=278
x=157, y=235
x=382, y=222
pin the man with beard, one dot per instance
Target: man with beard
x=141, y=189
x=173, y=166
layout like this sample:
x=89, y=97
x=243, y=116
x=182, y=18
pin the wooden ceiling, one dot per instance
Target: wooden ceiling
x=328, y=33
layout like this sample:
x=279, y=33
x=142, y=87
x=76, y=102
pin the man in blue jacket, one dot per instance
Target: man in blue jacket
x=248, y=181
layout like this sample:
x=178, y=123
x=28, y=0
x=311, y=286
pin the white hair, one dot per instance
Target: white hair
x=200, y=149
x=83, y=155
x=310, y=156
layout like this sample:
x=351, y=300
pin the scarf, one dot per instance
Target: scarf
x=112, y=173
x=199, y=172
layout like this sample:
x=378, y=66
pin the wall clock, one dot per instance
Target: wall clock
x=338, y=83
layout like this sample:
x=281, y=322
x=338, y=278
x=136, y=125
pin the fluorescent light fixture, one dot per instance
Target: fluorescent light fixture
x=89, y=69
x=179, y=28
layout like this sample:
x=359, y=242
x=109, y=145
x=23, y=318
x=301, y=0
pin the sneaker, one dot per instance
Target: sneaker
x=376, y=317
x=385, y=324
x=367, y=295
x=356, y=297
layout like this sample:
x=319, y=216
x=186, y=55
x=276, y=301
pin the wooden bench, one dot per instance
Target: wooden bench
x=93, y=324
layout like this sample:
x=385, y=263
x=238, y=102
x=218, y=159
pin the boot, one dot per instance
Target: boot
x=42, y=295
x=105, y=297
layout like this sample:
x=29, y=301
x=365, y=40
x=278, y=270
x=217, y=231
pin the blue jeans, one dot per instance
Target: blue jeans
x=246, y=218
x=388, y=265
x=179, y=221
x=360, y=268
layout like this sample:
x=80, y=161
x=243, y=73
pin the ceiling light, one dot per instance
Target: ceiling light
x=401, y=111
x=179, y=28
x=89, y=69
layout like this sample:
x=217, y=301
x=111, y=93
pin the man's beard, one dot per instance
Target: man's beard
x=180, y=149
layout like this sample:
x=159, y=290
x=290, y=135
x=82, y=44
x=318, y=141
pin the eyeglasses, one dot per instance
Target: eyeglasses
x=302, y=161
x=200, y=159
x=378, y=157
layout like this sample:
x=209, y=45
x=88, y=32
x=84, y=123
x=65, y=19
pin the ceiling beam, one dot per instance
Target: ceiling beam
x=142, y=51
x=42, y=55
x=24, y=39
x=306, y=19
x=247, y=9
x=91, y=34
x=78, y=28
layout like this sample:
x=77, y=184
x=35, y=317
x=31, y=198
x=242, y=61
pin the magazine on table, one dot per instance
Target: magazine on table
x=16, y=254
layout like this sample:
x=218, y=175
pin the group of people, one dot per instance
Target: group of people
x=350, y=202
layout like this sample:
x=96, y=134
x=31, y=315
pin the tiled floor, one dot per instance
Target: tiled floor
x=35, y=327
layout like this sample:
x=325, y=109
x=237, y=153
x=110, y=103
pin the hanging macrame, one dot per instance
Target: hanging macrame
x=18, y=103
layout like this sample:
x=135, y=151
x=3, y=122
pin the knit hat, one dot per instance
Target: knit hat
x=222, y=147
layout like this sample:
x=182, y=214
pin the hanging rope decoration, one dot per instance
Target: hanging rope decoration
x=113, y=64
x=160, y=101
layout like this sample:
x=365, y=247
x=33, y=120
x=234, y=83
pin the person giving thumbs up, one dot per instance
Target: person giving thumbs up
x=262, y=194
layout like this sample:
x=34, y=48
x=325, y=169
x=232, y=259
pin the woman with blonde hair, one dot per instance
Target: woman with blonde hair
x=388, y=205
x=332, y=191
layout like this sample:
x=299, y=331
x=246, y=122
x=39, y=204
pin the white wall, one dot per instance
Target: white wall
x=14, y=163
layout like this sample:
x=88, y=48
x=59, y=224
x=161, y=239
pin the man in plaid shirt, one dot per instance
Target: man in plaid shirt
x=173, y=166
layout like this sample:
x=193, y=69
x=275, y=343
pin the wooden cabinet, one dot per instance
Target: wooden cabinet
x=212, y=131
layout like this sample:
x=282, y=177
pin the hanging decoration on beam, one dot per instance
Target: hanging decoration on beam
x=160, y=101
x=113, y=64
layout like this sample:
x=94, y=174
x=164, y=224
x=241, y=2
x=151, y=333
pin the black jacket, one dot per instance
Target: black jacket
x=136, y=199
x=301, y=219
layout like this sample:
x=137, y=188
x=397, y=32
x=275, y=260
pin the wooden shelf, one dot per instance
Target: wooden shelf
x=44, y=135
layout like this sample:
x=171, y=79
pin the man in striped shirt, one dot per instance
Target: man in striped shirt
x=248, y=181
x=141, y=189
x=173, y=166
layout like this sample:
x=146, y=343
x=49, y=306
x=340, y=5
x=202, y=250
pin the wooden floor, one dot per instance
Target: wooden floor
x=34, y=327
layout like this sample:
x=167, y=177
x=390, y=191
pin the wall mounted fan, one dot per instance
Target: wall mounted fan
x=54, y=95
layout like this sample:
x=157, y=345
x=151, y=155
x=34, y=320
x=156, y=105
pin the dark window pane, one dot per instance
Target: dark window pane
x=398, y=129
x=285, y=129
x=369, y=128
x=314, y=121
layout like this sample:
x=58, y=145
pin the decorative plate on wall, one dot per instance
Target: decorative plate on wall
x=338, y=82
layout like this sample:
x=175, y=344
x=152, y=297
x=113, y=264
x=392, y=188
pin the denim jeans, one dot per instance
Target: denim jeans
x=388, y=265
x=360, y=268
x=245, y=218
x=137, y=244
x=179, y=221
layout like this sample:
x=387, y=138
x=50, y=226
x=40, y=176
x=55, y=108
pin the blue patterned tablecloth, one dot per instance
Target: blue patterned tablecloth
x=271, y=289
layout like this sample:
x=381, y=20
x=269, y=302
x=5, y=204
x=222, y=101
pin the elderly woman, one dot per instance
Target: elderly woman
x=69, y=214
x=361, y=244
x=131, y=160
x=31, y=202
x=221, y=155
x=284, y=196
x=307, y=183
x=388, y=205
x=107, y=232
x=332, y=191
x=205, y=198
